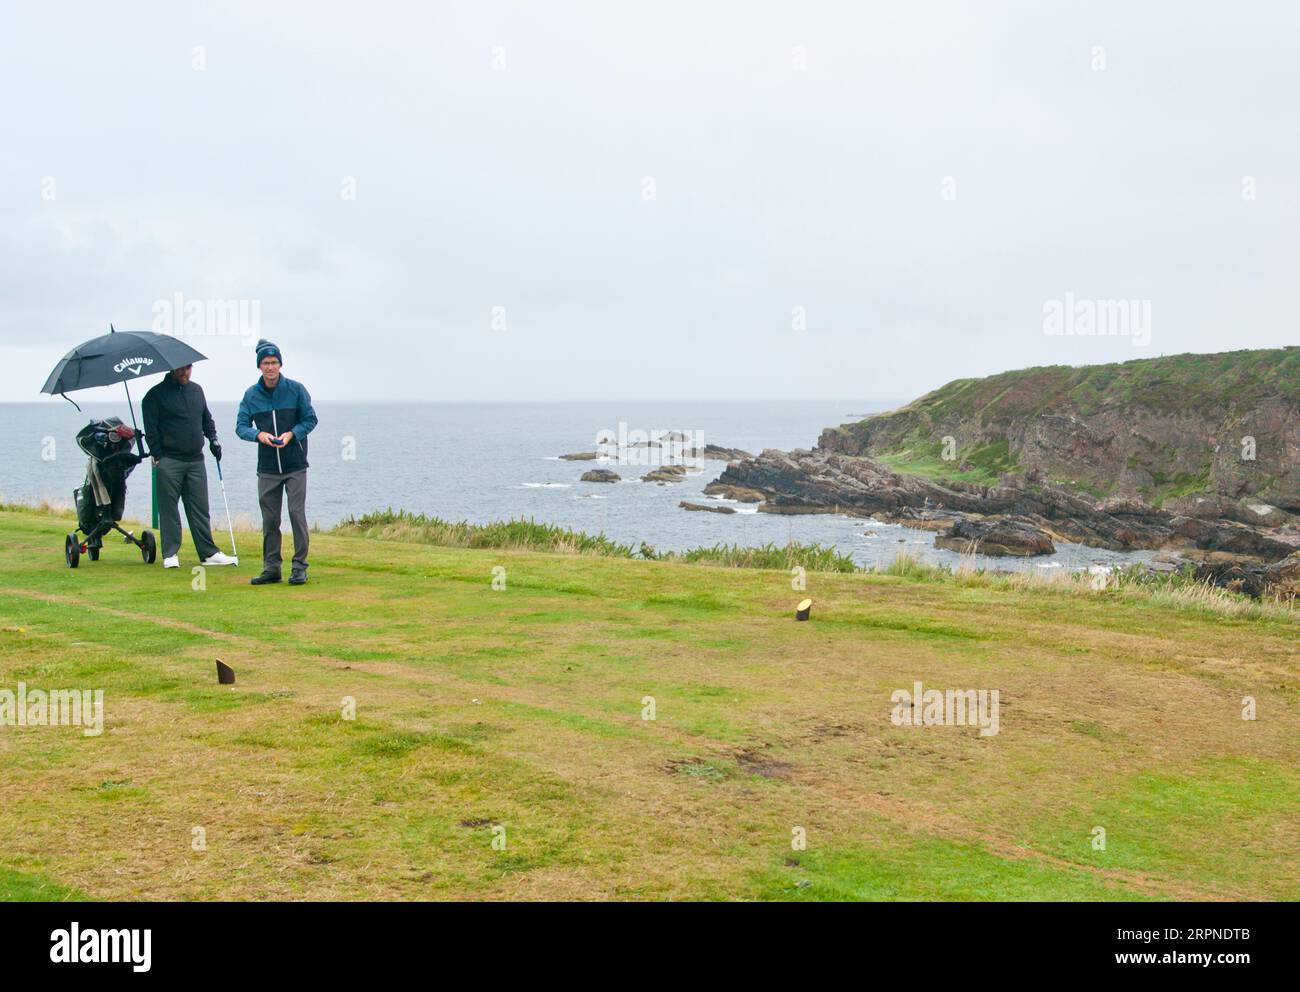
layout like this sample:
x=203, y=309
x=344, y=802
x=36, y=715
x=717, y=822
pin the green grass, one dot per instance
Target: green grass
x=17, y=886
x=934, y=870
x=520, y=712
x=1195, y=823
x=1186, y=483
x=985, y=463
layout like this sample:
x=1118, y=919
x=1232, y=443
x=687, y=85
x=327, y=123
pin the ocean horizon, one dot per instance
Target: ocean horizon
x=483, y=461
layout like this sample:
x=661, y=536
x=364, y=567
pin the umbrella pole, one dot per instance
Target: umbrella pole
x=153, y=469
x=139, y=441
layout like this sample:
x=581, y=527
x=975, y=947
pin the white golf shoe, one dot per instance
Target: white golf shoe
x=173, y=562
x=220, y=558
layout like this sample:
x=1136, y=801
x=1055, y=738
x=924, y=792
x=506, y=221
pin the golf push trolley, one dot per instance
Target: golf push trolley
x=101, y=500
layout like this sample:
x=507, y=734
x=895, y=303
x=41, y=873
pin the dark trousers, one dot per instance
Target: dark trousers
x=270, y=496
x=188, y=482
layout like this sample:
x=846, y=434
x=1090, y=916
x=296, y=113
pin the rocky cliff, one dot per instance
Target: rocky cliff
x=1199, y=453
x=1225, y=425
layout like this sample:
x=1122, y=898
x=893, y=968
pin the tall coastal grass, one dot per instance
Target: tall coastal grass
x=1176, y=590
x=813, y=557
x=44, y=506
x=528, y=535
x=520, y=535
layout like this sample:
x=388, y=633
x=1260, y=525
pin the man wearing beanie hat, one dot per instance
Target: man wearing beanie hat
x=277, y=414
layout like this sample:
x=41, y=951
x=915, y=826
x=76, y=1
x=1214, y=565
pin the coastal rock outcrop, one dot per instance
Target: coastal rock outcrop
x=995, y=537
x=720, y=508
x=740, y=494
x=716, y=453
x=1284, y=576
x=665, y=473
x=802, y=481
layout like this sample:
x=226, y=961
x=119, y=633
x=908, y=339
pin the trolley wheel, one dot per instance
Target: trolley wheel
x=72, y=550
x=93, y=551
x=148, y=547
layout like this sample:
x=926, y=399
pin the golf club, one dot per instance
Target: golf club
x=234, y=553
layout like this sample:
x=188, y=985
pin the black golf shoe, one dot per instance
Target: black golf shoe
x=299, y=577
x=264, y=578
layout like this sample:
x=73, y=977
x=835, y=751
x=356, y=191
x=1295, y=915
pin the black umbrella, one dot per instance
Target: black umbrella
x=113, y=358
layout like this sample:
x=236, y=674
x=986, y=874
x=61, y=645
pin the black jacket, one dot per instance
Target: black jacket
x=176, y=420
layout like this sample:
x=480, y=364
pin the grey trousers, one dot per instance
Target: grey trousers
x=188, y=482
x=270, y=496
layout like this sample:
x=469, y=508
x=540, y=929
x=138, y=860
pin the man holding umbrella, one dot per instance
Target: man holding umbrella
x=113, y=359
x=176, y=421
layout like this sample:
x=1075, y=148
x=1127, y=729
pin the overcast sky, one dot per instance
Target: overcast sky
x=667, y=200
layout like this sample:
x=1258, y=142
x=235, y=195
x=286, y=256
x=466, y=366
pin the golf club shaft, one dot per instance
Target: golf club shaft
x=234, y=553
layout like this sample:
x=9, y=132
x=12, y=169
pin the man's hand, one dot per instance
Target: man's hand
x=286, y=437
x=265, y=437
x=215, y=448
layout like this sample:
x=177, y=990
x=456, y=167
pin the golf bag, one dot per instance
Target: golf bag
x=101, y=499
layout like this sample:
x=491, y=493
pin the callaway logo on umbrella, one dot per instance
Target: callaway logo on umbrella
x=133, y=365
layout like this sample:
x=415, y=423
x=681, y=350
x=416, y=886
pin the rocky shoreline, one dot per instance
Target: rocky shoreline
x=1249, y=544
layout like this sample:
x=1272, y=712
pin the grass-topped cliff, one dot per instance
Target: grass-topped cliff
x=1154, y=428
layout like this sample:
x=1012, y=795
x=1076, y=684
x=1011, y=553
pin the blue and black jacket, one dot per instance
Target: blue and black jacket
x=287, y=407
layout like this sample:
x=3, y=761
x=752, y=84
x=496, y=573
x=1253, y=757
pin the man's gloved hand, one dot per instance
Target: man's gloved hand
x=215, y=448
